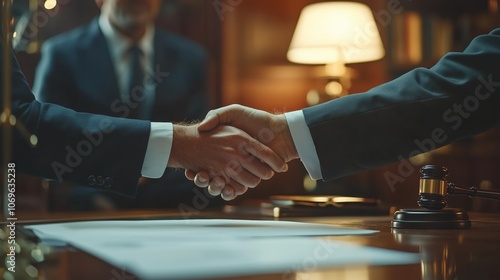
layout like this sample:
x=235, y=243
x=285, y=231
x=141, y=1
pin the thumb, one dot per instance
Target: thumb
x=210, y=122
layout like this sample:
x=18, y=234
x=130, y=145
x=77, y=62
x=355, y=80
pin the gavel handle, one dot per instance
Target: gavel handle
x=472, y=192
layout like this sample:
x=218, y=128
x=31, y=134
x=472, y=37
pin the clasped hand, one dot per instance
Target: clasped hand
x=242, y=146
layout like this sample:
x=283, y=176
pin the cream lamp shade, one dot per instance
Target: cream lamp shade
x=333, y=32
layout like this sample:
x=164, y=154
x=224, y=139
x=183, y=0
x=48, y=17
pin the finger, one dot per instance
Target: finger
x=254, y=165
x=257, y=168
x=216, y=185
x=238, y=173
x=190, y=174
x=202, y=179
x=228, y=193
x=266, y=155
x=210, y=122
x=238, y=188
x=232, y=190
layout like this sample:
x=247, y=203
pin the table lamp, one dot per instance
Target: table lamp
x=335, y=34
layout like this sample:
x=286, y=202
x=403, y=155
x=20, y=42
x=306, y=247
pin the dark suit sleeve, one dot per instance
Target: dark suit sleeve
x=92, y=150
x=415, y=113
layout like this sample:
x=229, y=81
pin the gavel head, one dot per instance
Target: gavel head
x=433, y=187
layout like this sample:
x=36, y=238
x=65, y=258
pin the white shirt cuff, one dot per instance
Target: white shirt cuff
x=158, y=150
x=304, y=143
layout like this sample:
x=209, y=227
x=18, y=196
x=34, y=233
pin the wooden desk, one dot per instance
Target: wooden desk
x=445, y=254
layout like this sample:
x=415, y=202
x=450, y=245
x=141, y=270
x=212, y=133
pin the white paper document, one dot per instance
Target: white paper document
x=210, y=248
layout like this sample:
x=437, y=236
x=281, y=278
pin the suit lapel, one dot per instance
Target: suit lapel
x=162, y=62
x=96, y=63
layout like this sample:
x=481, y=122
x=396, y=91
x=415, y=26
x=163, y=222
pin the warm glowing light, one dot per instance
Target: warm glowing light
x=493, y=6
x=334, y=89
x=420, y=159
x=14, y=34
x=33, y=140
x=486, y=185
x=312, y=97
x=335, y=32
x=335, y=69
x=309, y=184
x=50, y=4
x=12, y=120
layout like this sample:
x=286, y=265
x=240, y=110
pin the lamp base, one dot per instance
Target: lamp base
x=431, y=219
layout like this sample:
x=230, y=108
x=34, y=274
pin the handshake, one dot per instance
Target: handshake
x=233, y=149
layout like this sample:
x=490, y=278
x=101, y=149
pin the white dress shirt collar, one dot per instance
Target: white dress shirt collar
x=120, y=44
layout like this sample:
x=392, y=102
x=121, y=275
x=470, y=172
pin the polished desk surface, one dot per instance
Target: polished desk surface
x=445, y=254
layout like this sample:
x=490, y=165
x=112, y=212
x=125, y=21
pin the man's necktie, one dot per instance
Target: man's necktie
x=136, y=91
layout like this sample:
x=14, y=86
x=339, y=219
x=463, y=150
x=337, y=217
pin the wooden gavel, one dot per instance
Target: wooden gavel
x=434, y=188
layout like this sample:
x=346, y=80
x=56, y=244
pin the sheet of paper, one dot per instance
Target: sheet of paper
x=176, y=249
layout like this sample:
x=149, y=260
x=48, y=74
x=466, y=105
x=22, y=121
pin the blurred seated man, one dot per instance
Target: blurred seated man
x=120, y=65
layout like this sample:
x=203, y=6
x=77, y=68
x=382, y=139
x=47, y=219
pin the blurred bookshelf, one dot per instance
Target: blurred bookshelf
x=426, y=30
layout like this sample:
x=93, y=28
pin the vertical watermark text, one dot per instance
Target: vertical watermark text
x=10, y=200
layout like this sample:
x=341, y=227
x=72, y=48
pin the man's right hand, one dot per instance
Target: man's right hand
x=269, y=129
x=227, y=153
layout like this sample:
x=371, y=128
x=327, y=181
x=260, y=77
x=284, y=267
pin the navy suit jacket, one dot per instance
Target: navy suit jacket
x=76, y=71
x=69, y=147
x=415, y=113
